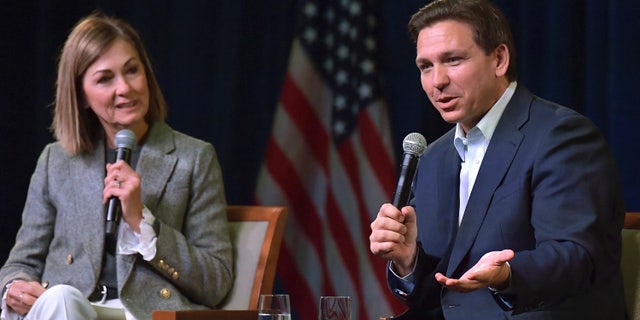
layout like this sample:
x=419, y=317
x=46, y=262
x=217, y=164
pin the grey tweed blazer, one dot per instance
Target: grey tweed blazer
x=61, y=239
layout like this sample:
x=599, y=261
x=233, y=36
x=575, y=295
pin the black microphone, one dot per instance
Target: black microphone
x=414, y=145
x=125, y=141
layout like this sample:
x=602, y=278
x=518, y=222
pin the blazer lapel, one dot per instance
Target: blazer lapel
x=87, y=174
x=500, y=154
x=155, y=166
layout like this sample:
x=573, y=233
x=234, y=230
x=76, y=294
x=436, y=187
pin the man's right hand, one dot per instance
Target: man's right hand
x=393, y=237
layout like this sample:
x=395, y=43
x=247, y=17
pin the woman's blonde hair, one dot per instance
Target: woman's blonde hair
x=74, y=124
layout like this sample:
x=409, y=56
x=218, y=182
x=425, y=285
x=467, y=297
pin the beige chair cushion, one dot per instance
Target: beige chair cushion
x=247, y=238
x=631, y=270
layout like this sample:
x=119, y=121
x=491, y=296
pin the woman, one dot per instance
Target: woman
x=171, y=250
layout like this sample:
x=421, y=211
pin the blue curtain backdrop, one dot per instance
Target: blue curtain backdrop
x=221, y=63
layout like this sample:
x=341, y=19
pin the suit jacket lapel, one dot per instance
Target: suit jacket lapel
x=497, y=160
x=436, y=197
x=450, y=201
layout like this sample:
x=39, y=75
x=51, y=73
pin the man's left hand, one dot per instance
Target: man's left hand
x=491, y=271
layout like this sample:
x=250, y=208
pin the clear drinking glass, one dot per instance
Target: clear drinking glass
x=335, y=308
x=274, y=307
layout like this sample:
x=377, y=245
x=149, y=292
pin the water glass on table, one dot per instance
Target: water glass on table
x=274, y=307
x=335, y=308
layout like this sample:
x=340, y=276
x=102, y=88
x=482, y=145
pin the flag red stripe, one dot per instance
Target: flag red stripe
x=330, y=187
x=349, y=158
x=297, y=106
x=283, y=172
x=347, y=250
x=292, y=278
x=374, y=149
x=299, y=109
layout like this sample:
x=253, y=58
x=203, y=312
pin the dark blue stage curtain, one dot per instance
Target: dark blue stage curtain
x=221, y=64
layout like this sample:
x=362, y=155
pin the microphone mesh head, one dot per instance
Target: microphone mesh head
x=414, y=143
x=125, y=138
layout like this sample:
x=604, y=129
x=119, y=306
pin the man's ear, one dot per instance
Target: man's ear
x=502, y=55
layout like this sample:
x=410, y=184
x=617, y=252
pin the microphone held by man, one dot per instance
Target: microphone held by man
x=414, y=145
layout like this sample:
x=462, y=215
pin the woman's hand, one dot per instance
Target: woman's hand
x=123, y=183
x=22, y=295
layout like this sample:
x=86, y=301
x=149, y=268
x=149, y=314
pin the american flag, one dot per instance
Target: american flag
x=329, y=159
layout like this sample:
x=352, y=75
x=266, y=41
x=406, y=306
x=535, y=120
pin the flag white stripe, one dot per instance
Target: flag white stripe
x=344, y=246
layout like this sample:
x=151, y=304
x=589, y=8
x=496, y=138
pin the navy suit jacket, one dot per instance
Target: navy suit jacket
x=548, y=188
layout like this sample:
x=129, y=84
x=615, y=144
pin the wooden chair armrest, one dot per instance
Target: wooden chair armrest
x=632, y=220
x=206, y=314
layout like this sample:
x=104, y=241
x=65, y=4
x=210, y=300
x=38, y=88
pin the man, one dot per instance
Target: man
x=516, y=212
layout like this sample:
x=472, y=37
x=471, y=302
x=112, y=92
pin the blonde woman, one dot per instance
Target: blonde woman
x=171, y=249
